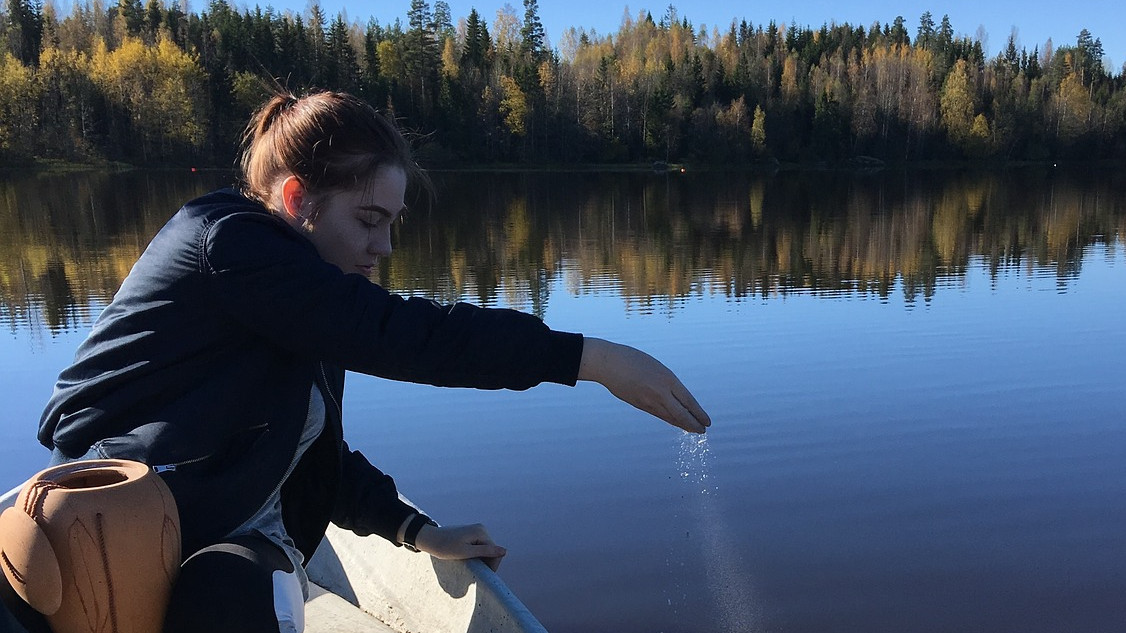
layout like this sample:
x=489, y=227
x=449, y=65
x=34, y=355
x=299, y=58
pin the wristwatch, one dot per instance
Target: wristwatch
x=413, y=528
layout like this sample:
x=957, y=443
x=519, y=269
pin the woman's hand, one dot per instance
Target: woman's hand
x=642, y=381
x=460, y=542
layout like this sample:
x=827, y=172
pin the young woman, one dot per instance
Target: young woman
x=220, y=363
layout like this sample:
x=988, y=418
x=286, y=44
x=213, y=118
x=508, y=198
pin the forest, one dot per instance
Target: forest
x=154, y=84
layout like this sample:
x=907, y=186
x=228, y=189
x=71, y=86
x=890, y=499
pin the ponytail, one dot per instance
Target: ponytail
x=328, y=140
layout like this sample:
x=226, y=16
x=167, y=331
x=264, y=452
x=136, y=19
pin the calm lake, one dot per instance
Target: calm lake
x=916, y=381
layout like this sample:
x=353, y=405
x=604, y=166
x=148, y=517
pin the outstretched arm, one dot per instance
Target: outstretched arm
x=642, y=381
x=630, y=374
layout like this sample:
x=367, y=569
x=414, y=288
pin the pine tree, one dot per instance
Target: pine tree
x=1011, y=57
x=421, y=55
x=315, y=34
x=1090, y=56
x=176, y=22
x=263, y=39
x=133, y=14
x=25, y=30
x=1033, y=69
x=421, y=43
x=898, y=33
x=926, y=36
x=443, y=20
x=369, y=77
x=152, y=19
x=531, y=34
x=343, y=69
x=477, y=41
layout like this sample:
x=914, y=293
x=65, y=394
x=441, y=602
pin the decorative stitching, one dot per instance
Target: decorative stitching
x=12, y=569
x=82, y=547
x=37, y=497
x=105, y=569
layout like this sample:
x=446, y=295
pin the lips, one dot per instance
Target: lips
x=366, y=270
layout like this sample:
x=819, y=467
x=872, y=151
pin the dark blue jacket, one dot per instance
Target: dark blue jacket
x=202, y=367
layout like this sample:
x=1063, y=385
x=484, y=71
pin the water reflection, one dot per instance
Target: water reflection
x=68, y=240
x=661, y=239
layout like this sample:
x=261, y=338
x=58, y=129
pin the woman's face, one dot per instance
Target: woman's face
x=352, y=228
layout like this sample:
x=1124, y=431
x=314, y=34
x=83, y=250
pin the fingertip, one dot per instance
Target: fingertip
x=494, y=561
x=491, y=550
x=702, y=418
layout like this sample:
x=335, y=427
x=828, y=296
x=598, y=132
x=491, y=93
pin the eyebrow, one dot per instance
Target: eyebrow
x=382, y=211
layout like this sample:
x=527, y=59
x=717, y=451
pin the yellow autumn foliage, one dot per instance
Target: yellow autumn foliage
x=18, y=97
x=160, y=87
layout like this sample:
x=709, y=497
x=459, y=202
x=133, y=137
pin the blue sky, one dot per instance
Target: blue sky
x=1035, y=20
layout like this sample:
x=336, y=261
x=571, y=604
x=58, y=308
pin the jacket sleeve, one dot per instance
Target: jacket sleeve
x=268, y=277
x=367, y=501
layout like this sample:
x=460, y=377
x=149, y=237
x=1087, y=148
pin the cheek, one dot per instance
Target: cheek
x=356, y=245
x=337, y=246
x=361, y=239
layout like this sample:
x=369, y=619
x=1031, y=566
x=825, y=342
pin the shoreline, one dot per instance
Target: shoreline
x=860, y=164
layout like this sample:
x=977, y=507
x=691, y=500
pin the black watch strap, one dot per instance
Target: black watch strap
x=413, y=528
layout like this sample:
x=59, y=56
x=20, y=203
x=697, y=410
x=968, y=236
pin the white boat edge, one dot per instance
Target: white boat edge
x=366, y=584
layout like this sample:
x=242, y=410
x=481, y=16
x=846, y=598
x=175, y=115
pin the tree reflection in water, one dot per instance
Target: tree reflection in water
x=67, y=241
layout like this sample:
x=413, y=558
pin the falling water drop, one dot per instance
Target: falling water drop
x=694, y=462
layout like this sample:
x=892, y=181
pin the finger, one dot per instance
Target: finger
x=487, y=550
x=491, y=555
x=688, y=401
x=689, y=423
x=677, y=414
x=481, y=545
x=493, y=563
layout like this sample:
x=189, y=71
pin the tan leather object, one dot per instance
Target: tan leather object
x=94, y=545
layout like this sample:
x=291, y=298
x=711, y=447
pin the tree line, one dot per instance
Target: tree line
x=154, y=84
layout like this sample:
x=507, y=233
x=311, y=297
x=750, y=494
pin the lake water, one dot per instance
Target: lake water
x=916, y=381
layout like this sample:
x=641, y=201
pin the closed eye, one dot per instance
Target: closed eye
x=374, y=214
x=372, y=219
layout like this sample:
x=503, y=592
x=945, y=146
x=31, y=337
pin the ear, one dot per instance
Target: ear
x=293, y=197
x=29, y=562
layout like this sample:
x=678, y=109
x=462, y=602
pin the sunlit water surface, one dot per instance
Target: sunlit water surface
x=916, y=384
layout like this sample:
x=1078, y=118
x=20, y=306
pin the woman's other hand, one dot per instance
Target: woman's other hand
x=642, y=381
x=460, y=542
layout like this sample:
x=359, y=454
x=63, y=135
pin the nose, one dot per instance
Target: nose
x=380, y=243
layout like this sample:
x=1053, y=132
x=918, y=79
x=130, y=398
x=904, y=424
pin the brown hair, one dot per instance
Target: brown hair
x=328, y=140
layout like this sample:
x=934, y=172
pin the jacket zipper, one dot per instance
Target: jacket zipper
x=277, y=488
x=171, y=468
x=324, y=377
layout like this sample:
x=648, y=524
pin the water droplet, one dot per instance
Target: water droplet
x=694, y=459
